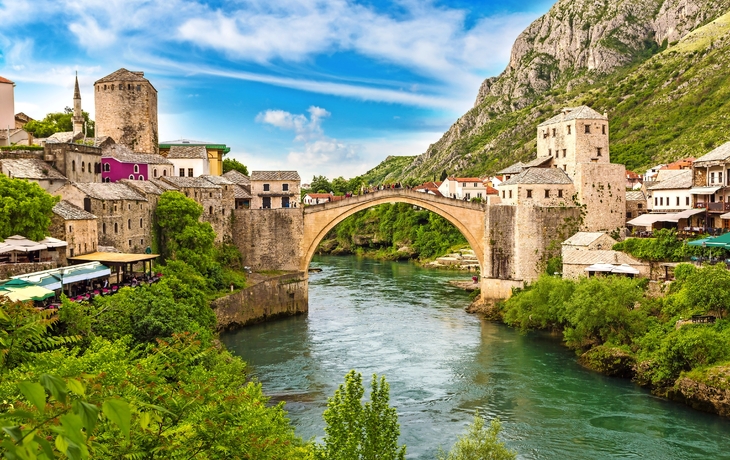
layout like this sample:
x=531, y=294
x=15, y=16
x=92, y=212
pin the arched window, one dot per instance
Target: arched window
x=116, y=228
x=129, y=224
x=107, y=167
x=136, y=169
x=131, y=176
x=104, y=87
x=140, y=223
x=73, y=165
x=141, y=177
x=154, y=172
x=103, y=228
x=112, y=86
x=210, y=210
x=83, y=167
x=164, y=172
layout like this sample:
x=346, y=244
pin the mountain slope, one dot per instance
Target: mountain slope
x=663, y=87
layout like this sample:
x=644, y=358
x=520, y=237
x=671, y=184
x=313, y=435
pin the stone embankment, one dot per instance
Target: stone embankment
x=267, y=297
x=464, y=259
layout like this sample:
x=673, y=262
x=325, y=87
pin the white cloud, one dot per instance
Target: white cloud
x=305, y=128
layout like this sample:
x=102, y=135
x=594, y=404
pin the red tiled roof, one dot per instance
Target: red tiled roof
x=5, y=80
x=684, y=163
x=468, y=179
x=492, y=191
x=632, y=175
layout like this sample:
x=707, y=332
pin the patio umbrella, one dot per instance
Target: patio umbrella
x=700, y=242
x=25, y=293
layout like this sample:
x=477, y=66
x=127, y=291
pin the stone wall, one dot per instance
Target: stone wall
x=129, y=116
x=269, y=239
x=284, y=295
x=8, y=270
x=79, y=163
x=601, y=189
x=499, y=243
x=81, y=235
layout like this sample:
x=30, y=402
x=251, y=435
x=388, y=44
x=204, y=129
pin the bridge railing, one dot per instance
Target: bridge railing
x=394, y=193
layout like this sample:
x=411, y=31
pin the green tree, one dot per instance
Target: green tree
x=708, y=289
x=320, y=184
x=356, y=431
x=231, y=164
x=339, y=185
x=25, y=209
x=480, y=443
x=58, y=122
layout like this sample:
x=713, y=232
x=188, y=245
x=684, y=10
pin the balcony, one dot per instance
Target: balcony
x=713, y=207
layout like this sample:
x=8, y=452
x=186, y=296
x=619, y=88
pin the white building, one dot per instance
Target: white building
x=672, y=194
x=189, y=161
x=463, y=188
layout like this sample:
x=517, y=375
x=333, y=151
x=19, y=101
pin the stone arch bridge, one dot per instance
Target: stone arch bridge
x=466, y=216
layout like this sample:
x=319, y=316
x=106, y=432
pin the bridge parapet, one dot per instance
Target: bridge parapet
x=380, y=195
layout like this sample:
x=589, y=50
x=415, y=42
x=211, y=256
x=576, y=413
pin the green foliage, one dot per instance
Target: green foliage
x=231, y=164
x=356, y=431
x=480, y=443
x=382, y=230
x=58, y=122
x=25, y=209
x=320, y=184
x=665, y=246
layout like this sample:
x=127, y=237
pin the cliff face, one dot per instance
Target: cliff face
x=575, y=43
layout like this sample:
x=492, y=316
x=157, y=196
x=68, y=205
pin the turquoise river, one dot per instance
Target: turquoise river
x=443, y=364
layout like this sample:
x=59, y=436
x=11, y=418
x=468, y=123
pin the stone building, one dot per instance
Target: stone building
x=7, y=104
x=123, y=215
x=151, y=191
x=189, y=160
x=538, y=187
x=119, y=162
x=75, y=226
x=242, y=188
x=673, y=194
x=214, y=152
x=218, y=201
x=576, y=262
x=78, y=162
x=34, y=170
x=710, y=191
x=126, y=110
x=274, y=189
x=636, y=204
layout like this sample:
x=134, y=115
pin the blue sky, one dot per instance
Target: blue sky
x=323, y=87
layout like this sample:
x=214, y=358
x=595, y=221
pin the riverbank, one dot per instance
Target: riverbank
x=618, y=328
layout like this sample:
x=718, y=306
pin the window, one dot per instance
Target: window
x=661, y=201
x=70, y=228
x=190, y=172
x=603, y=129
x=641, y=206
x=129, y=224
x=560, y=193
x=223, y=211
x=103, y=228
x=656, y=201
x=73, y=165
x=131, y=176
x=529, y=193
x=565, y=167
x=140, y=223
x=553, y=132
x=141, y=241
x=116, y=228
x=129, y=206
x=154, y=172
x=719, y=178
x=510, y=193
x=182, y=172
x=136, y=169
x=140, y=177
x=712, y=177
x=83, y=167
x=686, y=202
x=547, y=193
x=130, y=243
x=285, y=187
x=550, y=152
x=568, y=129
x=210, y=194
x=107, y=167
x=266, y=187
x=598, y=151
x=139, y=87
x=503, y=193
x=112, y=87
x=285, y=202
x=104, y=87
x=565, y=151
x=588, y=129
x=210, y=210
x=164, y=172
x=115, y=208
x=544, y=133
x=677, y=201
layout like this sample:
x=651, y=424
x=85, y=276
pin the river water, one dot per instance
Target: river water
x=442, y=364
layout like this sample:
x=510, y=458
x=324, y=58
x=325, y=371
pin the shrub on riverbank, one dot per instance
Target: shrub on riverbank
x=619, y=330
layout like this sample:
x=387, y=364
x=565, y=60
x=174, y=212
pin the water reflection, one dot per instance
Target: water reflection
x=442, y=365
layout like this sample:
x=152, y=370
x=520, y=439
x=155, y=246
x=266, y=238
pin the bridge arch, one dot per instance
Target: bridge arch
x=467, y=217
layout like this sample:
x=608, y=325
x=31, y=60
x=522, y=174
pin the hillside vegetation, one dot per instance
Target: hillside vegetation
x=665, y=90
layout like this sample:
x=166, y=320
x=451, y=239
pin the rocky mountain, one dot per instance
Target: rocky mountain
x=619, y=56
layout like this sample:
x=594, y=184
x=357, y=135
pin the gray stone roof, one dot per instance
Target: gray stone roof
x=190, y=182
x=582, y=112
x=539, y=176
x=122, y=75
x=681, y=180
x=124, y=154
x=722, y=153
x=241, y=193
x=539, y=161
x=185, y=151
x=584, y=238
x=164, y=186
x=143, y=186
x=635, y=195
x=30, y=168
x=63, y=137
x=109, y=191
x=217, y=180
x=274, y=175
x=238, y=178
x=513, y=169
x=576, y=257
x=69, y=211
x=188, y=141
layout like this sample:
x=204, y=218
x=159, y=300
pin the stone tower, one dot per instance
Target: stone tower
x=126, y=110
x=78, y=117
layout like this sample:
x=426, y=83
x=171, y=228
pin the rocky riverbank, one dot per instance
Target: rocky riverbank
x=464, y=259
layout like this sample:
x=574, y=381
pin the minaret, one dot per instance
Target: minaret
x=78, y=118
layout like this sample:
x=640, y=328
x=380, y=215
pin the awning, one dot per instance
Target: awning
x=699, y=242
x=686, y=214
x=622, y=269
x=22, y=244
x=51, y=242
x=647, y=220
x=725, y=216
x=704, y=190
x=25, y=293
x=51, y=279
x=600, y=268
x=114, y=257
